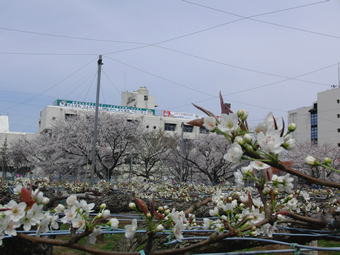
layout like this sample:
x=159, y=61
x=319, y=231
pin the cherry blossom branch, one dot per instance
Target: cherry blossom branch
x=281, y=166
x=195, y=206
x=76, y=246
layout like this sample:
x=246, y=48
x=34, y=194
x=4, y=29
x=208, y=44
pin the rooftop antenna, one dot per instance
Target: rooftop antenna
x=124, y=81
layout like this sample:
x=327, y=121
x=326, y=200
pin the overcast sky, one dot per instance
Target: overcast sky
x=262, y=55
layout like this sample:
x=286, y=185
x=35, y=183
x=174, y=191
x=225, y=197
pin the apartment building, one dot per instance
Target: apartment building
x=320, y=122
x=138, y=104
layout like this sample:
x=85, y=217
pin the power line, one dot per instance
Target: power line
x=119, y=92
x=48, y=54
x=159, y=77
x=183, y=53
x=271, y=23
x=67, y=36
x=239, y=67
x=213, y=97
x=51, y=86
x=273, y=83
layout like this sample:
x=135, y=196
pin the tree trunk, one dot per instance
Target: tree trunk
x=18, y=246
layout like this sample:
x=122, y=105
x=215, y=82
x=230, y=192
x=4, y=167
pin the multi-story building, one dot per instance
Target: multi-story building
x=138, y=104
x=319, y=123
x=135, y=105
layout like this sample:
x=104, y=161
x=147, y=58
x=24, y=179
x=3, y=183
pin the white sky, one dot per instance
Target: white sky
x=263, y=55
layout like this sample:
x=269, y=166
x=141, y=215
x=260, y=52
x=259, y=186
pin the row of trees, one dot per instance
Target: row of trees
x=125, y=146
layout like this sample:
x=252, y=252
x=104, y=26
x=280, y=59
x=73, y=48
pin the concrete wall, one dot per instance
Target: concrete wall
x=150, y=122
x=14, y=136
x=301, y=117
x=329, y=116
x=4, y=124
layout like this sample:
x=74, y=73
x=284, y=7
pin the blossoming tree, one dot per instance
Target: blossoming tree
x=241, y=212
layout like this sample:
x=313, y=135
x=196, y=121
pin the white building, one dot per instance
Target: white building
x=169, y=124
x=6, y=135
x=138, y=99
x=138, y=104
x=319, y=123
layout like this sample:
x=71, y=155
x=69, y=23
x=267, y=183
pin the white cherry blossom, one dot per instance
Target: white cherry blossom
x=9, y=226
x=28, y=221
x=130, y=230
x=114, y=223
x=94, y=234
x=229, y=122
x=234, y=153
x=271, y=141
x=178, y=229
x=78, y=223
x=17, y=210
x=209, y=123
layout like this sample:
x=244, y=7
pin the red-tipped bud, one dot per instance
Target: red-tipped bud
x=196, y=122
x=142, y=205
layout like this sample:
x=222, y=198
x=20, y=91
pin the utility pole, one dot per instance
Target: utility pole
x=181, y=172
x=96, y=121
x=338, y=75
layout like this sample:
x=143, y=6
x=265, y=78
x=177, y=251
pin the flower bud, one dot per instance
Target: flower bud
x=99, y=215
x=102, y=206
x=166, y=212
x=327, y=161
x=159, y=228
x=132, y=206
x=114, y=223
x=242, y=114
x=45, y=200
x=106, y=213
x=160, y=209
x=247, y=138
x=148, y=215
x=60, y=208
x=253, y=233
x=291, y=127
x=239, y=140
x=311, y=161
x=266, y=190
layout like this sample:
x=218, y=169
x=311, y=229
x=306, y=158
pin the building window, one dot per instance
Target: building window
x=169, y=127
x=338, y=115
x=338, y=130
x=188, y=128
x=293, y=117
x=203, y=130
x=145, y=98
x=314, y=127
x=314, y=132
x=338, y=101
x=314, y=119
x=314, y=135
x=69, y=116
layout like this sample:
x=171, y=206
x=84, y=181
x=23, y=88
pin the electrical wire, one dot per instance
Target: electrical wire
x=67, y=77
x=119, y=91
x=271, y=23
